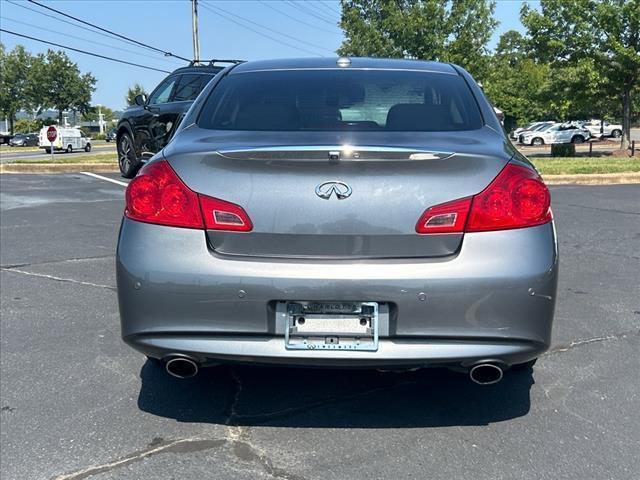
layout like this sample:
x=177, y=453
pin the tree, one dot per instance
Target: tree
x=14, y=82
x=60, y=85
x=587, y=41
x=133, y=92
x=455, y=31
x=91, y=115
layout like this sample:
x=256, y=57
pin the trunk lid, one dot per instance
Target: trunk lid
x=289, y=183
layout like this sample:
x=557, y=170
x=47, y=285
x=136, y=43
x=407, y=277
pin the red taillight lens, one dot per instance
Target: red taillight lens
x=157, y=195
x=448, y=217
x=516, y=198
x=221, y=215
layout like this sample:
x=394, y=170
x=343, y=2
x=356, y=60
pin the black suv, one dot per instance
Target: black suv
x=146, y=127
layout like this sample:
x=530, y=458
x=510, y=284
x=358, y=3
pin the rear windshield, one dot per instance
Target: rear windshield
x=334, y=100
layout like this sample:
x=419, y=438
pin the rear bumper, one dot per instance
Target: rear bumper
x=493, y=300
x=207, y=349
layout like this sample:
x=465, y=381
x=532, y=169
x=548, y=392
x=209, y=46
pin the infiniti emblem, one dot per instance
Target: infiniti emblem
x=326, y=189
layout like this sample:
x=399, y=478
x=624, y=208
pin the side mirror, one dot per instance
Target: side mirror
x=141, y=100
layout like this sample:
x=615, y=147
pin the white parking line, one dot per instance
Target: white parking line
x=106, y=179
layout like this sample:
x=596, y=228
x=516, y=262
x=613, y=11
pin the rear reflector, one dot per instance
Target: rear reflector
x=516, y=198
x=157, y=195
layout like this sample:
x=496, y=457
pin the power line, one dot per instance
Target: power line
x=304, y=9
x=82, y=51
x=327, y=8
x=110, y=37
x=165, y=53
x=267, y=4
x=313, y=45
x=84, y=39
x=258, y=32
x=316, y=8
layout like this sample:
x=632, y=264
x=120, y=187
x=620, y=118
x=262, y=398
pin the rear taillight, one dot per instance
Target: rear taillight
x=516, y=198
x=448, y=217
x=157, y=195
x=221, y=215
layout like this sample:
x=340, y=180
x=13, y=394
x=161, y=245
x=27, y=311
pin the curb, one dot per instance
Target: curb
x=58, y=167
x=593, y=179
x=581, y=179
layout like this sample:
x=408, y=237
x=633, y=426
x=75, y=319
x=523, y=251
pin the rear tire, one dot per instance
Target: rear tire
x=69, y=149
x=577, y=139
x=127, y=160
x=537, y=141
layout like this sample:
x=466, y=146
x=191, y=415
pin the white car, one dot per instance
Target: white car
x=556, y=133
x=529, y=127
x=599, y=129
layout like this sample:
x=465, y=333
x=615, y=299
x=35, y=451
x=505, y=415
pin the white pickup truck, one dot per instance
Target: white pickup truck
x=68, y=140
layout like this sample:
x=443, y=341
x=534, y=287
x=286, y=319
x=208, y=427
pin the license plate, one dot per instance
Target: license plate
x=332, y=326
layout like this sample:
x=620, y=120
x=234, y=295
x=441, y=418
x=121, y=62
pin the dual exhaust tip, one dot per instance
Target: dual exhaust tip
x=482, y=373
x=486, y=373
x=181, y=367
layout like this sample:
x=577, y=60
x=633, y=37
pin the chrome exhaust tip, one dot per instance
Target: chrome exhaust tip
x=486, y=373
x=181, y=367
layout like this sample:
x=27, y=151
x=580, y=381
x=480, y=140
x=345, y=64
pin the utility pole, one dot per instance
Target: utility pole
x=194, y=25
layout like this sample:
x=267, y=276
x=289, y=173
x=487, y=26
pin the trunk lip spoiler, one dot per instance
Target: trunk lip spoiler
x=332, y=152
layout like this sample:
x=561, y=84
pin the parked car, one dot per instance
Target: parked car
x=5, y=138
x=24, y=140
x=67, y=140
x=527, y=128
x=111, y=135
x=146, y=127
x=325, y=213
x=556, y=133
x=600, y=129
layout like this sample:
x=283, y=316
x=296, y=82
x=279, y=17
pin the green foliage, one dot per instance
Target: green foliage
x=14, y=82
x=593, y=47
x=563, y=150
x=26, y=125
x=60, y=85
x=92, y=114
x=452, y=31
x=133, y=92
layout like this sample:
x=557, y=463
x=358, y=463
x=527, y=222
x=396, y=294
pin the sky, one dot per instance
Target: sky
x=238, y=29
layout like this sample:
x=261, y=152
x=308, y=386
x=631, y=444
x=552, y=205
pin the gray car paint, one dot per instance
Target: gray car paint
x=450, y=298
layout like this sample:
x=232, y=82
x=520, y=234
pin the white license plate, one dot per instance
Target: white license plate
x=332, y=326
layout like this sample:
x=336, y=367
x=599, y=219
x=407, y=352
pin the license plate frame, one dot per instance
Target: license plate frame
x=342, y=326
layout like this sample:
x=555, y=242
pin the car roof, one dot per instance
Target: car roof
x=332, y=63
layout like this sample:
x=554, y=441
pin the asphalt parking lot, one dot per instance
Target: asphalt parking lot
x=76, y=403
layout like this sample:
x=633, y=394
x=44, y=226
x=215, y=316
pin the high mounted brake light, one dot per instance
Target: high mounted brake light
x=157, y=195
x=516, y=198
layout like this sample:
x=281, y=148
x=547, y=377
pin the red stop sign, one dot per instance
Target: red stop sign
x=52, y=134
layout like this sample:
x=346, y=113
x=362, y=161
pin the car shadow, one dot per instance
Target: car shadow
x=296, y=397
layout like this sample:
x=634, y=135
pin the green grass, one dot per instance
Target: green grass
x=578, y=165
x=71, y=158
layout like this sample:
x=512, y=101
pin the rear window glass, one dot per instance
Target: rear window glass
x=330, y=100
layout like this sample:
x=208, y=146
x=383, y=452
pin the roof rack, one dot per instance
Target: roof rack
x=214, y=61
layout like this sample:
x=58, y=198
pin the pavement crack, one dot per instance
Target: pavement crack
x=247, y=452
x=601, y=209
x=580, y=343
x=187, y=445
x=58, y=279
x=52, y=262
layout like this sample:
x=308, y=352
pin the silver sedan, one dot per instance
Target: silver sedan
x=349, y=213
